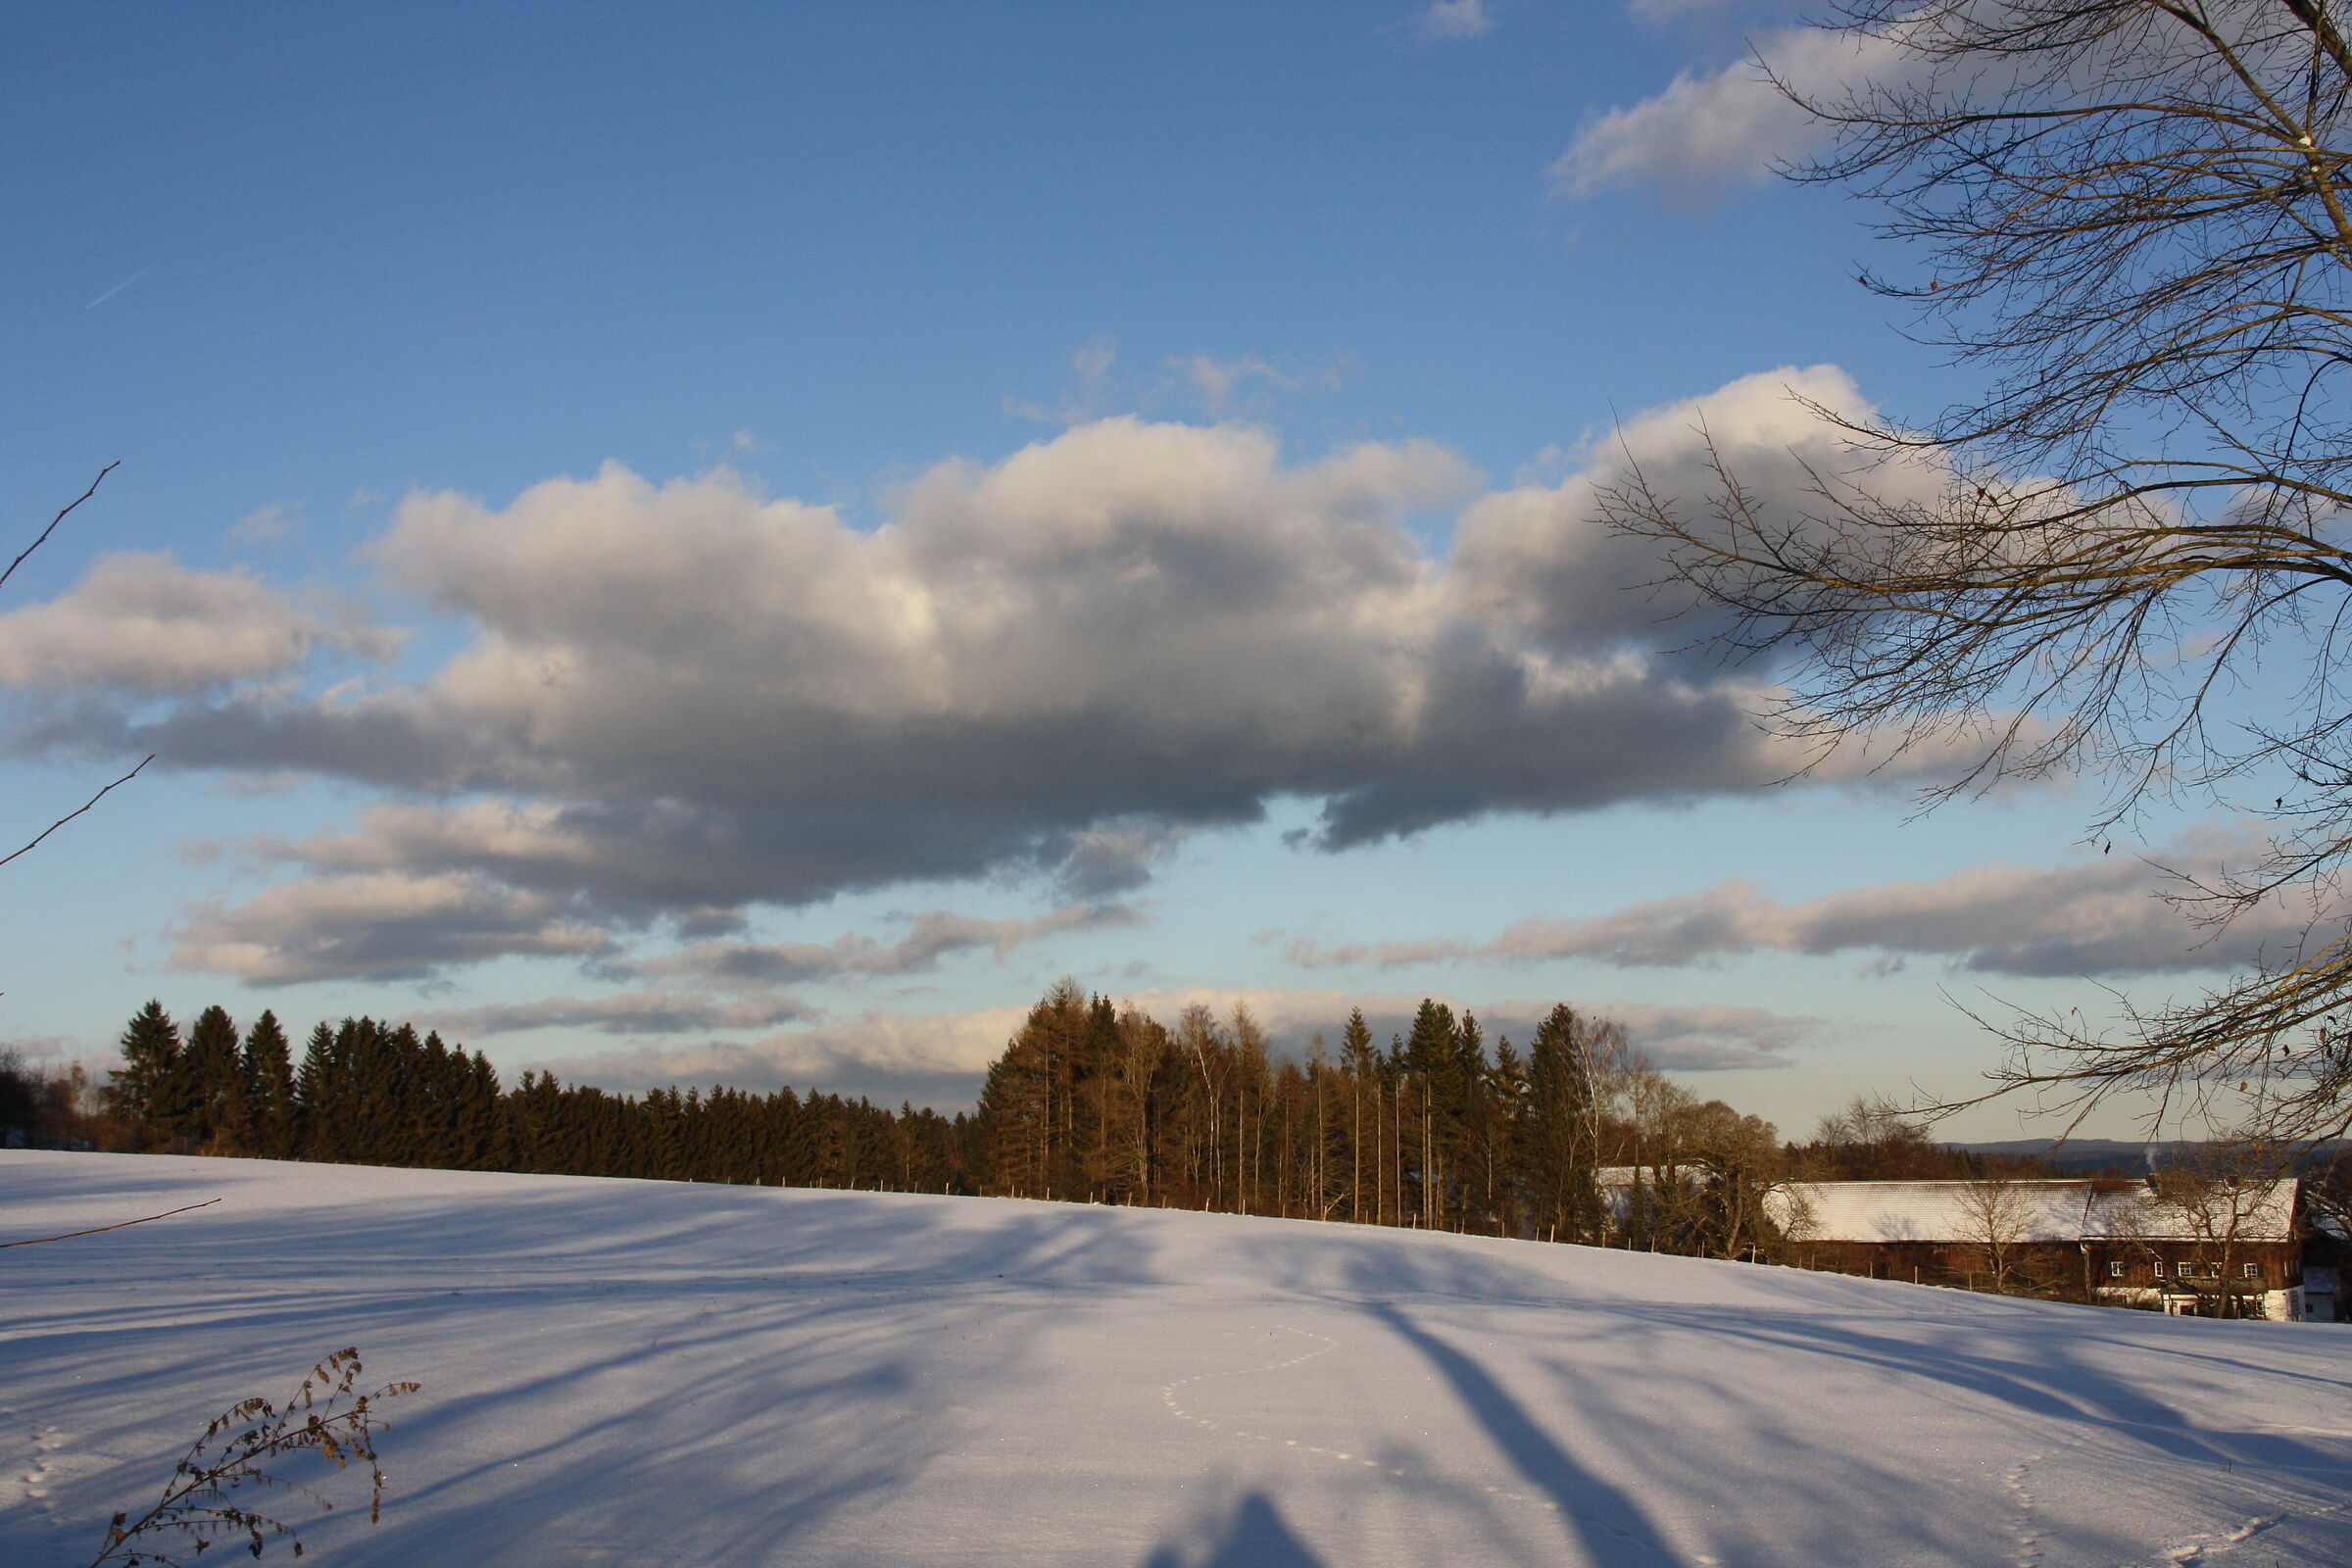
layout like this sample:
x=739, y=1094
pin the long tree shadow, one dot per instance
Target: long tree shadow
x=1964, y=1409
x=1598, y=1516
x=1255, y=1536
x=2035, y=1376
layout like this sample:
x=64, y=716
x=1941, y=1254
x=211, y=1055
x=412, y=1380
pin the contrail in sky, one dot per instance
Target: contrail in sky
x=120, y=287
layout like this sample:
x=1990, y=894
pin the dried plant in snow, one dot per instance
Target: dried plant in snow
x=202, y=1507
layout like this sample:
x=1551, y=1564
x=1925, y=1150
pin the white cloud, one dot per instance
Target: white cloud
x=1092, y=363
x=1116, y=858
x=381, y=926
x=1532, y=554
x=931, y=936
x=632, y=1012
x=277, y=520
x=1456, y=18
x=1682, y=10
x=1712, y=130
x=2105, y=915
x=141, y=622
x=934, y=1059
x=682, y=701
x=1217, y=381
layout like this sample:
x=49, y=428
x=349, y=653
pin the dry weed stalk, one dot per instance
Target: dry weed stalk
x=199, y=1509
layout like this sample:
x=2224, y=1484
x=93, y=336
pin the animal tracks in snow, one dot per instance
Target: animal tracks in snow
x=1169, y=1395
x=2022, y=1503
x=44, y=1440
x=2197, y=1550
x=2204, y=1548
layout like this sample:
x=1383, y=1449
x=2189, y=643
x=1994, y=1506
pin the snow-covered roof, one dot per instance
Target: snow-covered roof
x=2250, y=1211
x=2030, y=1211
x=1927, y=1211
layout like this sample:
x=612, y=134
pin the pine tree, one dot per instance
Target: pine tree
x=474, y=1131
x=211, y=1083
x=1009, y=1123
x=318, y=1087
x=1507, y=1087
x=146, y=1092
x=1358, y=1063
x=1027, y=1113
x=272, y=1128
x=1558, y=1141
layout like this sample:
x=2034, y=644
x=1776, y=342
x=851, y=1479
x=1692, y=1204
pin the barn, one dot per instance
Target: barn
x=2212, y=1248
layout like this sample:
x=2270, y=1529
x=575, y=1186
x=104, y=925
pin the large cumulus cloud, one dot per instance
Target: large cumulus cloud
x=678, y=701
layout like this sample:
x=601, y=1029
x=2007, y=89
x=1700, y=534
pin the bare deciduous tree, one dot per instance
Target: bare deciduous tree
x=1998, y=1216
x=2221, y=1200
x=2127, y=552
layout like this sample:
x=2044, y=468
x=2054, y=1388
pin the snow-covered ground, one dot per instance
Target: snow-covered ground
x=645, y=1373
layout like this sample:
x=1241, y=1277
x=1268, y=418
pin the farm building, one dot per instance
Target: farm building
x=2211, y=1248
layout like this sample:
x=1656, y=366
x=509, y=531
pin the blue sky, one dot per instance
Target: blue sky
x=744, y=540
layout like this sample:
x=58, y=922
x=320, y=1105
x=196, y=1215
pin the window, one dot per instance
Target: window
x=2116, y=1268
x=2252, y=1271
x=2157, y=1268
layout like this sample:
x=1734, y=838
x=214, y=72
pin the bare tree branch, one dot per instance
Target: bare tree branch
x=60, y=517
x=76, y=811
x=35, y=1241
x=2130, y=554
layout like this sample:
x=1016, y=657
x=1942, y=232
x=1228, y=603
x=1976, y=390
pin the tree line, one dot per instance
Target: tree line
x=1088, y=1102
x=365, y=1092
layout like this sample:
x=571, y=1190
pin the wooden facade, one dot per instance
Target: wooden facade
x=2213, y=1252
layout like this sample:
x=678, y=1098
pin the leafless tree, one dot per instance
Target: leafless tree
x=2327, y=1196
x=2128, y=555
x=2219, y=1200
x=1998, y=1216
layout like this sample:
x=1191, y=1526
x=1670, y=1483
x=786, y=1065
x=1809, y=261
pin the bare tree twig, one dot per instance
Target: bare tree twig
x=10, y=573
x=76, y=811
x=60, y=517
x=34, y=1240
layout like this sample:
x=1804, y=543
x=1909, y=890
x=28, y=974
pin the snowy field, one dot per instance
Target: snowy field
x=643, y=1373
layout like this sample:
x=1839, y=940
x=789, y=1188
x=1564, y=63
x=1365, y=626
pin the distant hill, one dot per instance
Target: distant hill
x=2102, y=1154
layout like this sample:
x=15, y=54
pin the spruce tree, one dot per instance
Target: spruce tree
x=475, y=1144
x=1559, y=1144
x=272, y=1128
x=1025, y=1112
x=1360, y=1067
x=319, y=1090
x=214, y=1082
x=146, y=1091
x=1507, y=1085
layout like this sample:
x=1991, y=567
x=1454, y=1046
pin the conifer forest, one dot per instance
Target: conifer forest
x=1090, y=1101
